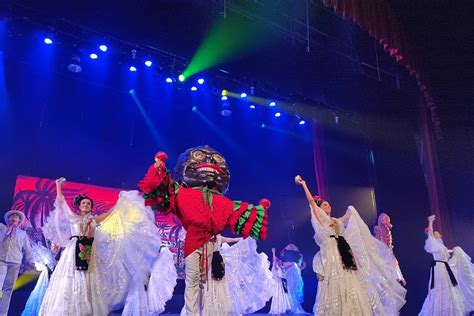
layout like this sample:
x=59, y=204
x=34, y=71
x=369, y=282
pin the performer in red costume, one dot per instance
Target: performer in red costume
x=196, y=197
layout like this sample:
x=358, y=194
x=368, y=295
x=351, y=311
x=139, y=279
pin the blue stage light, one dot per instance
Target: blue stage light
x=48, y=41
x=148, y=63
x=133, y=68
x=201, y=81
x=93, y=56
x=277, y=114
x=103, y=48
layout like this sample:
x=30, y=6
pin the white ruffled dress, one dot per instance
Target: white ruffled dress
x=126, y=256
x=369, y=290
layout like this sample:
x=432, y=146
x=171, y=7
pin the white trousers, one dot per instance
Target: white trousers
x=8, y=274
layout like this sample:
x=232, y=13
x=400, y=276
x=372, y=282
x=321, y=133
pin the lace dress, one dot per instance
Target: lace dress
x=443, y=297
x=368, y=290
x=125, y=257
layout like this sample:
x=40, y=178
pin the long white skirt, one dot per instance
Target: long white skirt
x=444, y=299
x=342, y=291
x=72, y=292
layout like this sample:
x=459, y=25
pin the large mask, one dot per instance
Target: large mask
x=203, y=166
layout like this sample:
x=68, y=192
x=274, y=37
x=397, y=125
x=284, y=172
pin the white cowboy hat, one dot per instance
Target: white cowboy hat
x=11, y=212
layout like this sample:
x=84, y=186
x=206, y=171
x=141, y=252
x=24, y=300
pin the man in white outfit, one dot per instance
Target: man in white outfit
x=14, y=244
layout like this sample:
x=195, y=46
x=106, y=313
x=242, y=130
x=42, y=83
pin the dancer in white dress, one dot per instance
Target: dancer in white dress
x=444, y=295
x=280, y=298
x=292, y=263
x=463, y=269
x=244, y=287
x=215, y=293
x=354, y=278
x=383, y=232
x=104, y=268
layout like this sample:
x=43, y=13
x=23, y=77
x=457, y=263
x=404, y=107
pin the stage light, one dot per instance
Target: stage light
x=93, y=56
x=148, y=63
x=226, y=112
x=103, y=48
x=201, y=81
x=133, y=68
x=277, y=114
x=302, y=122
x=169, y=80
x=194, y=108
x=131, y=91
x=181, y=78
x=224, y=98
x=243, y=95
x=252, y=106
x=224, y=92
x=48, y=41
x=75, y=64
x=272, y=103
x=263, y=125
x=194, y=88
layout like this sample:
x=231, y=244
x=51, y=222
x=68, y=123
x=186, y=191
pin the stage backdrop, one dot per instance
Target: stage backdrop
x=36, y=196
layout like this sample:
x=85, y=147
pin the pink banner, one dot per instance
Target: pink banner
x=35, y=197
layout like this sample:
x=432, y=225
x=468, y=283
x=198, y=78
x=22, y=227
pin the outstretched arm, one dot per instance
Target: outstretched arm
x=230, y=239
x=309, y=196
x=249, y=220
x=102, y=216
x=346, y=216
x=159, y=190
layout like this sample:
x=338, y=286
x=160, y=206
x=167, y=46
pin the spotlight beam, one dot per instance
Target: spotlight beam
x=159, y=139
x=219, y=132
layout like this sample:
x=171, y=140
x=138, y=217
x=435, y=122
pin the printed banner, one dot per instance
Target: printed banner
x=35, y=197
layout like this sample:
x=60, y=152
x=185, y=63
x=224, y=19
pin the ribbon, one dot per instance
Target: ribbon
x=11, y=231
x=207, y=195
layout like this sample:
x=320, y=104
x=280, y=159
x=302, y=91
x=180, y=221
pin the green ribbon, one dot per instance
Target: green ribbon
x=257, y=225
x=207, y=195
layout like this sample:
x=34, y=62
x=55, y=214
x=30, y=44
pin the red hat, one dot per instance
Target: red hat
x=161, y=155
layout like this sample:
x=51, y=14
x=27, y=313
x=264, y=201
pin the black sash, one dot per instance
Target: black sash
x=83, y=252
x=346, y=253
x=450, y=272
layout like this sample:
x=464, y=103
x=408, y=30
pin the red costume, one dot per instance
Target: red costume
x=203, y=212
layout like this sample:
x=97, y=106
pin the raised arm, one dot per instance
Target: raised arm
x=431, y=219
x=159, y=190
x=309, y=196
x=59, y=190
x=61, y=202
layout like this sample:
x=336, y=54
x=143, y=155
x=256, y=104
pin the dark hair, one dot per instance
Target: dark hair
x=318, y=200
x=78, y=199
